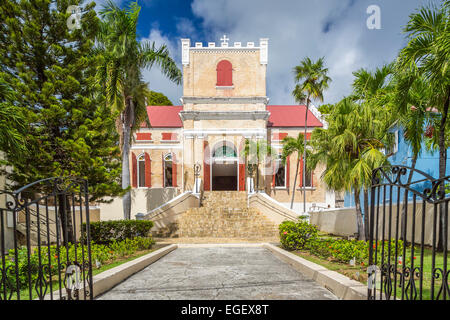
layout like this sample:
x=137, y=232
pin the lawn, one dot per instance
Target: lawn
x=359, y=272
x=55, y=285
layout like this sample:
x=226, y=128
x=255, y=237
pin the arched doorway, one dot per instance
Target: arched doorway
x=224, y=175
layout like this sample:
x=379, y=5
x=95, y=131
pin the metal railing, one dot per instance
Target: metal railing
x=52, y=260
x=408, y=235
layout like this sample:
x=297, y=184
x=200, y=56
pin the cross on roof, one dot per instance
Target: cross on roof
x=224, y=39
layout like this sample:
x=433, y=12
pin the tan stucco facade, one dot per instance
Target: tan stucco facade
x=217, y=119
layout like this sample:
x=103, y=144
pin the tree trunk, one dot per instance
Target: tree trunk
x=442, y=167
x=304, y=155
x=126, y=200
x=359, y=218
x=366, y=212
x=65, y=219
x=295, y=181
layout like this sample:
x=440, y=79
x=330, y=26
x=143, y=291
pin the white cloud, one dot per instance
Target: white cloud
x=334, y=29
x=157, y=81
x=296, y=30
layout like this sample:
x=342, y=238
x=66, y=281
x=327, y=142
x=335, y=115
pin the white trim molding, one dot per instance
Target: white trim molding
x=157, y=147
x=224, y=115
x=224, y=100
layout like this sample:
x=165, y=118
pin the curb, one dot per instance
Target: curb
x=341, y=286
x=106, y=280
x=110, y=278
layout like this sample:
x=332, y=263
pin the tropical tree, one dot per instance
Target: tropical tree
x=12, y=124
x=370, y=90
x=158, y=99
x=410, y=101
x=255, y=153
x=294, y=146
x=350, y=149
x=69, y=131
x=427, y=54
x=120, y=74
x=311, y=80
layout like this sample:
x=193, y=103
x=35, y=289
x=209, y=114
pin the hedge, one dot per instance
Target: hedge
x=105, y=232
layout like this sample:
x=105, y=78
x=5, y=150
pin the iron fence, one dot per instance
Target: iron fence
x=408, y=235
x=45, y=252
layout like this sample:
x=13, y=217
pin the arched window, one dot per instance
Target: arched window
x=141, y=171
x=224, y=152
x=168, y=170
x=280, y=175
x=224, y=74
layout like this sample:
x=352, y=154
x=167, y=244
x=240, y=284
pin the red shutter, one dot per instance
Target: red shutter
x=279, y=136
x=312, y=179
x=143, y=136
x=224, y=73
x=133, y=170
x=241, y=176
x=174, y=171
x=148, y=171
x=288, y=171
x=206, y=168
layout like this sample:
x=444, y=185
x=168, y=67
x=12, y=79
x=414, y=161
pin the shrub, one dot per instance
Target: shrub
x=105, y=232
x=297, y=235
x=99, y=252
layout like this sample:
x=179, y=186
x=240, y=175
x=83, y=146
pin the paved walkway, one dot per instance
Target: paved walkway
x=213, y=273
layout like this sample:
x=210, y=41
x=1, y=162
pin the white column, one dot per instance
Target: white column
x=264, y=52
x=185, y=44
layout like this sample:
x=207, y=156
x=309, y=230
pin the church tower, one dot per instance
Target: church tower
x=224, y=103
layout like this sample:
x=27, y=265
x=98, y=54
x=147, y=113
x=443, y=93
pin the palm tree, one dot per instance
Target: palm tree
x=350, y=148
x=427, y=54
x=123, y=57
x=290, y=146
x=410, y=101
x=311, y=80
x=255, y=152
x=370, y=90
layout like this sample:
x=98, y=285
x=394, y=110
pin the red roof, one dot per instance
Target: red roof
x=291, y=116
x=164, y=116
x=280, y=116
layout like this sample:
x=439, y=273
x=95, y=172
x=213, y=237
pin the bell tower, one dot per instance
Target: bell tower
x=224, y=71
x=224, y=104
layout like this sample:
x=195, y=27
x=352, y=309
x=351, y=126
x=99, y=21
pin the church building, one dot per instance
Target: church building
x=200, y=145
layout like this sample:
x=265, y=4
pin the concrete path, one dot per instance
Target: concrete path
x=214, y=273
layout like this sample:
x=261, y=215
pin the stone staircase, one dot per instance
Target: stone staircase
x=225, y=214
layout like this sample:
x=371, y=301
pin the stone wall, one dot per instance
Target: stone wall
x=200, y=76
x=165, y=216
x=340, y=222
x=272, y=209
x=143, y=200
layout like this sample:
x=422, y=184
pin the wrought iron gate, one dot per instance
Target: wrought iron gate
x=45, y=241
x=408, y=236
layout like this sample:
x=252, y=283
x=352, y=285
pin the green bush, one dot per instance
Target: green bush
x=99, y=253
x=304, y=236
x=297, y=235
x=106, y=232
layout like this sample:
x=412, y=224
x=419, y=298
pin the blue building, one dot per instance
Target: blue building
x=428, y=162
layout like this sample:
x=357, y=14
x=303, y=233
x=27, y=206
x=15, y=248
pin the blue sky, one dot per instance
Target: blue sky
x=333, y=29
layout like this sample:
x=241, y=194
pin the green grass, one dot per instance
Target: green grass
x=25, y=294
x=359, y=273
